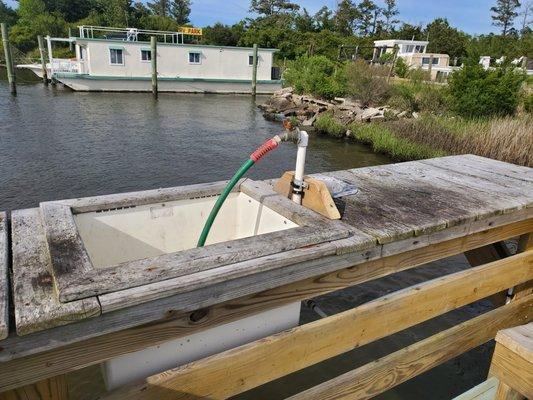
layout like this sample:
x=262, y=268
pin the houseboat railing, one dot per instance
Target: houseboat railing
x=128, y=34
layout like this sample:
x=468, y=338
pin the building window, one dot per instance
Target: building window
x=82, y=53
x=419, y=49
x=409, y=48
x=116, y=56
x=425, y=61
x=194, y=58
x=146, y=55
x=250, y=60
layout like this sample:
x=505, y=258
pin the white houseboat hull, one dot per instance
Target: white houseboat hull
x=87, y=83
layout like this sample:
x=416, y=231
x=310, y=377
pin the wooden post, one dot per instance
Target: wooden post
x=9, y=60
x=395, y=50
x=153, y=43
x=430, y=66
x=254, y=71
x=48, y=389
x=43, y=61
x=70, y=44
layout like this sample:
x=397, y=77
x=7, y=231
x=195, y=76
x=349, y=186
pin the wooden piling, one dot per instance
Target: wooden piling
x=153, y=45
x=254, y=71
x=43, y=61
x=9, y=60
x=430, y=67
x=394, y=58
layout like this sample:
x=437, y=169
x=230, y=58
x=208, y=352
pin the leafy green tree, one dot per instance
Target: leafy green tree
x=304, y=22
x=368, y=12
x=390, y=12
x=477, y=92
x=223, y=35
x=271, y=7
x=324, y=19
x=345, y=17
x=401, y=69
x=116, y=12
x=7, y=14
x=160, y=7
x=408, y=31
x=72, y=10
x=504, y=13
x=180, y=11
x=445, y=39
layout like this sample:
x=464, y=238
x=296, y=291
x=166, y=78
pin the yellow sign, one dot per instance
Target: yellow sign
x=188, y=30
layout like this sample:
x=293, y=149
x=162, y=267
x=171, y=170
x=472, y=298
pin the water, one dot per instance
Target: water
x=57, y=144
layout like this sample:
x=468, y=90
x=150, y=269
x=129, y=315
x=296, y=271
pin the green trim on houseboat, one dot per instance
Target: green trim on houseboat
x=147, y=78
x=175, y=44
x=116, y=47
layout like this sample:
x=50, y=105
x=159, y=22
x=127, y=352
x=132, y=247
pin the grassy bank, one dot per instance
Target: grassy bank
x=507, y=139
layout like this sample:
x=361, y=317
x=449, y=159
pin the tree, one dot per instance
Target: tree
x=72, y=10
x=525, y=15
x=345, y=17
x=180, y=10
x=504, y=14
x=304, y=22
x=368, y=12
x=271, y=7
x=445, y=39
x=408, y=32
x=7, y=14
x=116, y=12
x=324, y=19
x=160, y=7
x=223, y=35
x=389, y=12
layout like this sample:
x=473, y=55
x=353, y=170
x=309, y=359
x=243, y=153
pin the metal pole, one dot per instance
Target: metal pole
x=254, y=71
x=153, y=43
x=43, y=61
x=9, y=60
x=70, y=44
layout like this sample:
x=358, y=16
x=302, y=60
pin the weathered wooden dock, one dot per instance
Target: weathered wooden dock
x=69, y=315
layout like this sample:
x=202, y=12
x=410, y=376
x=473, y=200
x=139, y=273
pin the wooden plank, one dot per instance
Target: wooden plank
x=387, y=372
x=63, y=349
x=512, y=369
x=504, y=392
x=518, y=339
x=486, y=168
x=49, y=389
x=36, y=304
x=240, y=369
x=130, y=199
x=4, y=278
x=484, y=391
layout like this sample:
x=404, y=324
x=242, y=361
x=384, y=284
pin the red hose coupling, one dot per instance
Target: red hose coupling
x=262, y=150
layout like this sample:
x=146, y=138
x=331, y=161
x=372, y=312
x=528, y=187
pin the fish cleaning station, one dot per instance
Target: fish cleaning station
x=194, y=292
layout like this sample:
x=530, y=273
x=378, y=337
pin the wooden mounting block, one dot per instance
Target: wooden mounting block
x=316, y=196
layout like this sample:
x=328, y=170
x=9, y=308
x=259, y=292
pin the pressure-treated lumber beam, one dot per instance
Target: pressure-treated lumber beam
x=385, y=373
x=240, y=369
x=49, y=389
x=69, y=357
x=512, y=369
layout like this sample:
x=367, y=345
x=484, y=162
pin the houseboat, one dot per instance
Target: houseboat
x=119, y=59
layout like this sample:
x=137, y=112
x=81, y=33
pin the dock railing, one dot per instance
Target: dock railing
x=235, y=371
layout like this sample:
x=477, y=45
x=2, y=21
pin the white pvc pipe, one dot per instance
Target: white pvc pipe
x=303, y=140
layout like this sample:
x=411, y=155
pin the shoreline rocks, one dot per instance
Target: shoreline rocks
x=285, y=103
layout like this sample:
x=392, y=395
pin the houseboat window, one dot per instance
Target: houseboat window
x=116, y=56
x=409, y=48
x=250, y=60
x=194, y=58
x=146, y=55
x=82, y=53
x=419, y=49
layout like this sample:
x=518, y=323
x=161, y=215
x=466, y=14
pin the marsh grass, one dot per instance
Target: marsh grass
x=505, y=138
x=326, y=124
x=383, y=140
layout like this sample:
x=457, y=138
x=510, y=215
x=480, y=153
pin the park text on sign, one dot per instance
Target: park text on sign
x=191, y=31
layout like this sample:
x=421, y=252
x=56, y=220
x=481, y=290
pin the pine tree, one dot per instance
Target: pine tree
x=160, y=7
x=368, y=13
x=504, y=14
x=180, y=11
x=345, y=17
x=272, y=7
x=390, y=11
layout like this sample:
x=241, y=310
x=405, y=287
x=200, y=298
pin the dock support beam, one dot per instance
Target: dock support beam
x=43, y=61
x=9, y=60
x=153, y=45
x=254, y=71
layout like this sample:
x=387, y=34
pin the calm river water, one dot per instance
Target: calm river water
x=57, y=144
